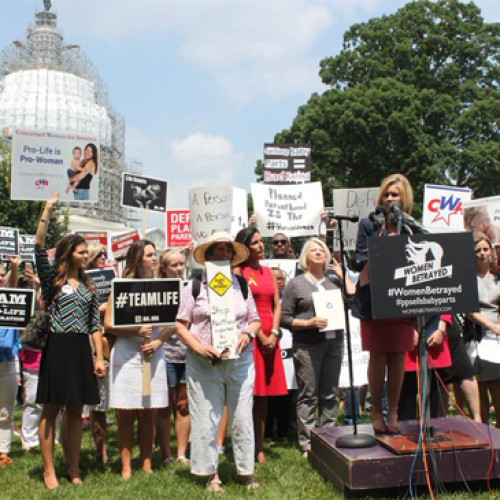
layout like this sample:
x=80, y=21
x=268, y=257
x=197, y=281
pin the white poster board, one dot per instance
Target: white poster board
x=46, y=161
x=288, y=266
x=294, y=209
x=483, y=215
x=359, y=358
x=217, y=208
x=443, y=207
x=329, y=304
x=222, y=309
x=353, y=202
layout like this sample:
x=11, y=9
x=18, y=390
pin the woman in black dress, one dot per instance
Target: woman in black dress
x=67, y=373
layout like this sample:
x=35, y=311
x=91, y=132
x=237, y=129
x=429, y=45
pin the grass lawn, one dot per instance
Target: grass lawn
x=286, y=475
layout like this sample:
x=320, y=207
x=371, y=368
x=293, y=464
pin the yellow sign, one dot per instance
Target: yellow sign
x=220, y=284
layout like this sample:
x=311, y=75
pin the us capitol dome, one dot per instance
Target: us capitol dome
x=46, y=84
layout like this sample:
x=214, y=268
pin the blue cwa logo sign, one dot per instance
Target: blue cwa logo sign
x=425, y=258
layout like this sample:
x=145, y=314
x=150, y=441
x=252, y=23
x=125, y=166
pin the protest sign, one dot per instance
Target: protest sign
x=286, y=343
x=120, y=243
x=329, y=304
x=360, y=358
x=217, y=208
x=353, y=202
x=288, y=266
x=47, y=161
x=9, y=242
x=443, y=207
x=16, y=307
x=287, y=163
x=222, y=309
x=27, y=247
x=422, y=274
x=178, y=228
x=294, y=209
x=138, y=302
x=101, y=279
x=144, y=192
x=483, y=215
x=101, y=237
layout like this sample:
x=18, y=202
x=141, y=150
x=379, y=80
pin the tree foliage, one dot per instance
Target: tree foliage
x=414, y=92
x=24, y=215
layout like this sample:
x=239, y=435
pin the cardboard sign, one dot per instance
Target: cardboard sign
x=483, y=215
x=9, y=242
x=120, y=243
x=329, y=304
x=27, y=247
x=422, y=274
x=17, y=306
x=138, y=302
x=287, y=163
x=288, y=266
x=353, y=202
x=360, y=358
x=222, y=309
x=46, y=161
x=178, y=228
x=144, y=192
x=443, y=207
x=101, y=279
x=294, y=209
x=217, y=208
x=101, y=237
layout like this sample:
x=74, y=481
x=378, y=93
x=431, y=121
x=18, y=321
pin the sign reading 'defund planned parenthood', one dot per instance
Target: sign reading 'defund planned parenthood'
x=422, y=274
x=138, y=302
x=46, y=161
x=287, y=163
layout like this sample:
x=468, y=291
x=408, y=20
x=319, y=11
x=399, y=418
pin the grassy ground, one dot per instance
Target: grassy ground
x=286, y=475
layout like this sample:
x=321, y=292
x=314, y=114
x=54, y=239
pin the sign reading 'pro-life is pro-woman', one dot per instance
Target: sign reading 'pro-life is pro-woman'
x=291, y=209
x=46, y=161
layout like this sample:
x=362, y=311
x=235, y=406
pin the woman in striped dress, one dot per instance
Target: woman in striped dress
x=67, y=372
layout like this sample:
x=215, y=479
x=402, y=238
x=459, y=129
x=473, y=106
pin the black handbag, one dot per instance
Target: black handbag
x=362, y=302
x=36, y=333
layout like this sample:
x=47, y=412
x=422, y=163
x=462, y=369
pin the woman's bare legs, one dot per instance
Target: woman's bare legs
x=259, y=423
x=74, y=441
x=182, y=420
x=125, y=419
x=376, y=380
x=146, y=438
x=99, y=427
x=395, y=377
x=47, y=433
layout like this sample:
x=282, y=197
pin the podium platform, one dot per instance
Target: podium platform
x=368, y=470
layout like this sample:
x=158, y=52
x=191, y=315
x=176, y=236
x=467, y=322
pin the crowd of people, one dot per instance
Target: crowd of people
x=90, y=362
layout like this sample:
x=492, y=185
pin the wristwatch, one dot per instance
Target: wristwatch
x=276, y=333
x=250, y=332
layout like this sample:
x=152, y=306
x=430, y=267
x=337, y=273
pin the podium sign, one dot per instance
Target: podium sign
x=422, y=274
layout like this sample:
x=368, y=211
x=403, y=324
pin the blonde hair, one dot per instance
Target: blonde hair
x=405, y=190
x=93, y=249
x=166, y=254
x=305, y=249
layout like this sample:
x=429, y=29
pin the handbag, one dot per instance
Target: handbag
x=362, y=302
x=36, y=333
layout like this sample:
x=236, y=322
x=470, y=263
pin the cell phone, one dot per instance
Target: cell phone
x=28, y=265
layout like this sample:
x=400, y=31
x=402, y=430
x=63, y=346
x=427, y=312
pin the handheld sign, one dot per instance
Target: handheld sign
x=330, y=305
x=144, y=192
x=101, y=279
x=120, y=243
x=443, y=207
x=27, y=247
x=17, y=305
x=287, y=163
x=422, y=274
x=9, y=241
x=178, y=228
x=222, y=310
x=138, y=302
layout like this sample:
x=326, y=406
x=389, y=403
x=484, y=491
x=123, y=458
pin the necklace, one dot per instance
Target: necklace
x=312, y=279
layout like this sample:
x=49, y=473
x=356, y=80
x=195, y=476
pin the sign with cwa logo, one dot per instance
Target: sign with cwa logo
x=422, y=274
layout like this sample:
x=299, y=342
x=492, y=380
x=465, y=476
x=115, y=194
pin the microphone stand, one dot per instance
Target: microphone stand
x=354, y=440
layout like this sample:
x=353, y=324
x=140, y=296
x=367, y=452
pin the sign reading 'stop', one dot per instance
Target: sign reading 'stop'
x=287, y=163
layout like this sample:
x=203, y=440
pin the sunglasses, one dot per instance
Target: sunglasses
x=101, y=254
x=280, y=242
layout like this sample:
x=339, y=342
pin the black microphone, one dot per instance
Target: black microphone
x=349, y=218
x=378, y=216
x=399, y=216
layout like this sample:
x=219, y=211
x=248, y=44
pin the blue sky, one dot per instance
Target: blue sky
x=202, y=84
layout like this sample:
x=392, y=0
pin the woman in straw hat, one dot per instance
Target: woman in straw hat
x=213, y=381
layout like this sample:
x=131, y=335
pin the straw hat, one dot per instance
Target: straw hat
x=241, y=252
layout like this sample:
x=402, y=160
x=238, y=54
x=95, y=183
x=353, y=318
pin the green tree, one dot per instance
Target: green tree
x=414, y=92
x=24, y=215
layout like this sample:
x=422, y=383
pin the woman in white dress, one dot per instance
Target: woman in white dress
x=126, y=368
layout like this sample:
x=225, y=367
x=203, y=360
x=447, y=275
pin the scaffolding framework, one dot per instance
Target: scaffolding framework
x=45, y=84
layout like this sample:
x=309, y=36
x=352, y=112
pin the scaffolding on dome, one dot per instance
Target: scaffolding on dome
x=49, y=85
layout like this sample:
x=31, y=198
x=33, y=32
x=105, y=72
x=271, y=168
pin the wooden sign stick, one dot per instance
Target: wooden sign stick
x=146, y=371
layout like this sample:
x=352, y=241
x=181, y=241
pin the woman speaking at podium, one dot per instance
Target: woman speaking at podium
x=387, y=340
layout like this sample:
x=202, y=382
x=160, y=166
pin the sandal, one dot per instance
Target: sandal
x=250, y=482
x=215, y=486
x=168, y=461
x=5, y=460
x=182, y=460
x=380, y=430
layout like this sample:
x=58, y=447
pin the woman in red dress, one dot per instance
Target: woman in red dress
x=269, y=372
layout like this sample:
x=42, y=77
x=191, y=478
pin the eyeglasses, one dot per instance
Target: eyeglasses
x=280, y=242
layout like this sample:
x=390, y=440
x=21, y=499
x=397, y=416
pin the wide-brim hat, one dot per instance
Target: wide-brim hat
x=241, y=252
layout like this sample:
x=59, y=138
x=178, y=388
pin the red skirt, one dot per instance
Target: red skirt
x=387, y=335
